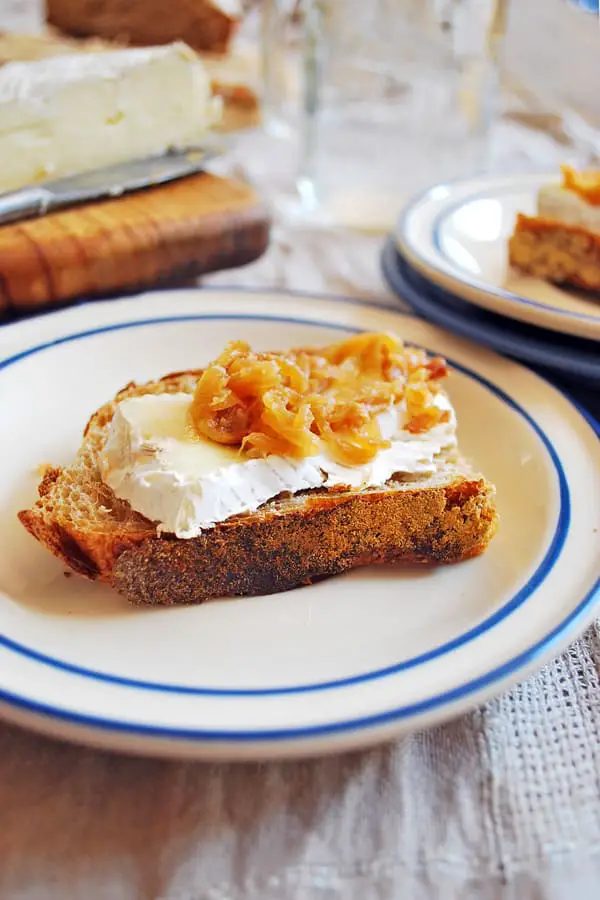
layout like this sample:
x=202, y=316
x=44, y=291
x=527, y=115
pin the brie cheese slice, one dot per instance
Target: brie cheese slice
x=563, y=205
x=70, y=114
x=155, y=461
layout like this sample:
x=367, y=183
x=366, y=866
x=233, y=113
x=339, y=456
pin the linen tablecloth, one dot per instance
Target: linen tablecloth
x=501, y=803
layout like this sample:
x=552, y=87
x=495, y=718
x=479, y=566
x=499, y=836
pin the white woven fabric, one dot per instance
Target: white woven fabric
x=503, y=803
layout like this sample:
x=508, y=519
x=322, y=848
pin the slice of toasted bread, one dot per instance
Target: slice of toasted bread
x=290, y=541
x=556, y=251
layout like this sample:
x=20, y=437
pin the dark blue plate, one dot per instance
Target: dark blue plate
x=575, y=359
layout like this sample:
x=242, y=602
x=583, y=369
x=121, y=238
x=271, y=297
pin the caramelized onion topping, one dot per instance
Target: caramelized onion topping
x=292, y=403
x=586, y=184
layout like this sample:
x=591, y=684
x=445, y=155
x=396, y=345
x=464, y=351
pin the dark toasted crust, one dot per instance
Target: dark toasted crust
x=286, y=544
x=324, y=536
x=556, y=251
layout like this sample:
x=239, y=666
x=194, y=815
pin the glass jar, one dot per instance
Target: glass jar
x=374, y=101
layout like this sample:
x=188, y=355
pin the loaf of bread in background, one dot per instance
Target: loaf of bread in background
x=203, y=24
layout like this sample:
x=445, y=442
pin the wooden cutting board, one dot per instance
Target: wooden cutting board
x=142, y=240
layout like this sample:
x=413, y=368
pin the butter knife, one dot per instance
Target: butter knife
x=111, y=181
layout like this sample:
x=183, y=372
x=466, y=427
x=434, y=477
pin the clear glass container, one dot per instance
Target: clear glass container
x=373, y=101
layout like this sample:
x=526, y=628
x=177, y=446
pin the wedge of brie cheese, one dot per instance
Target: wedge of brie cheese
x=70, y=114
x=155, y=461
x=559, y=203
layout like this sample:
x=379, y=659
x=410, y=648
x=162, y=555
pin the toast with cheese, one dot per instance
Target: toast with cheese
x=558, y=252
x=289, y=541
x=561, y=243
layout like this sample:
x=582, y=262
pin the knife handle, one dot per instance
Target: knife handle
x=23, y=204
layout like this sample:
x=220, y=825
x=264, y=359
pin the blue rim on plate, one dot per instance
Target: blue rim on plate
x=462, y=691
x=574, y=358
x=479, y=283
x=552, y=553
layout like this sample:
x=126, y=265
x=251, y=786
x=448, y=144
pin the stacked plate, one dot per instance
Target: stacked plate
x=448, y=261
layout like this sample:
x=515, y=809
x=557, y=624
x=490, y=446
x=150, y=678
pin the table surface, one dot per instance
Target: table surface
x=504, y=802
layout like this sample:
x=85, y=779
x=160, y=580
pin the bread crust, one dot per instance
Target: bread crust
x=556, y=251
x=290, y=541
x=323, y=537
x=203, y=24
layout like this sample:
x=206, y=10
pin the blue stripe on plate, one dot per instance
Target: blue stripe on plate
x=550, y=557
x=458, y=272
x=592, y=6
x=573, y=358
x=466, y=278
x=535, y=652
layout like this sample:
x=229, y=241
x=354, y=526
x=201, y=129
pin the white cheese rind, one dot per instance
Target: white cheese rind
x=153, y=460
x=556, y=202
x=70, y=114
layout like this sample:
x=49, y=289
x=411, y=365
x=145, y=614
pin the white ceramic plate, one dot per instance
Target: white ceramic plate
x=343, y=663
x=456, y=235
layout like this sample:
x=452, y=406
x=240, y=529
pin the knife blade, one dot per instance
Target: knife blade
x=110, y=181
